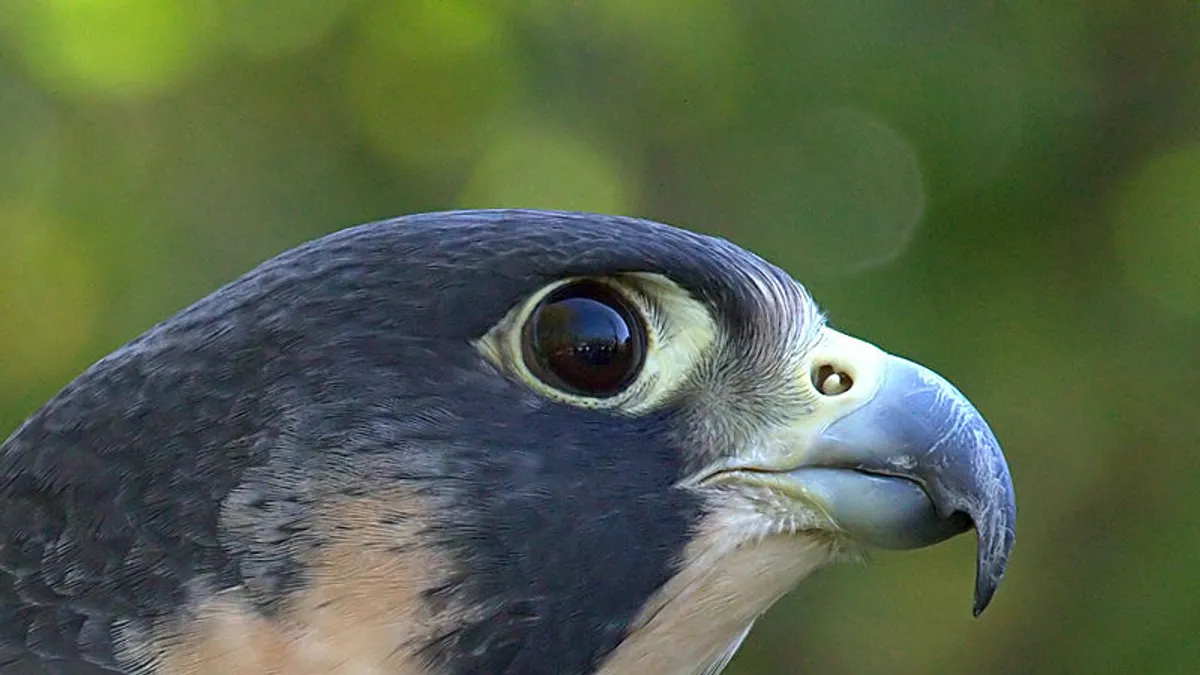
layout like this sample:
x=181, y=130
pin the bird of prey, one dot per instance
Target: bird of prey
x=476, y=442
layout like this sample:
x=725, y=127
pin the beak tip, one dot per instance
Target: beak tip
x=981, y=602
x=986, y=582
x=995, y=546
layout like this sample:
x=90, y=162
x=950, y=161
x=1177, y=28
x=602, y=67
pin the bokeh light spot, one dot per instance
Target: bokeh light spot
x=427, y=77
x=114, y=47
x=844, y=184
x=543, y=168
x=1157, y=231
x=436, y=29
x=278, y=27
x=670, y=70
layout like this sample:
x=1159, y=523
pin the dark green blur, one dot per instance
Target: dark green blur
x=1007, y=192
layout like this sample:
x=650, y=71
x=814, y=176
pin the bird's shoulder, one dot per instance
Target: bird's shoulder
x=109, y=511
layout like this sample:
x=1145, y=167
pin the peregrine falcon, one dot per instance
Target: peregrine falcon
x=476, y=442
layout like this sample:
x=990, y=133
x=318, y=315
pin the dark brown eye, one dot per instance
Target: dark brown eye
x=585, y=339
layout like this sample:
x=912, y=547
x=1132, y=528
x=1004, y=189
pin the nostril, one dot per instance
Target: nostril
x=831, y=381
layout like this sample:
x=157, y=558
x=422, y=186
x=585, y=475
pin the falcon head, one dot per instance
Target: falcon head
x=481, y=442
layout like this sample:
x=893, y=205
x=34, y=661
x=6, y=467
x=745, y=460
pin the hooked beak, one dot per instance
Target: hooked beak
x=897, y=457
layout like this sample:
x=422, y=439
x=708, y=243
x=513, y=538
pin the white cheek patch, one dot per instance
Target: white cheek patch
x=729, y=576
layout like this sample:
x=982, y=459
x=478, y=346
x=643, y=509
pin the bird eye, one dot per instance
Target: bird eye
x=585, y=339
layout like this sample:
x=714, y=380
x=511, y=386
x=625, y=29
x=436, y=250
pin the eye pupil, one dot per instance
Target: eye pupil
x=584, y=338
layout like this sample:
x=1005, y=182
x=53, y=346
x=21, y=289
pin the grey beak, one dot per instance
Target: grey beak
x=920, y=428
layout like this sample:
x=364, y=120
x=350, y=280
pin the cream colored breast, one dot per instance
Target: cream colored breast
x=694, y=623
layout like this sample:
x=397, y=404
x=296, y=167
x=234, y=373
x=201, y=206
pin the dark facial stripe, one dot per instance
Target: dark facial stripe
x=563, y=526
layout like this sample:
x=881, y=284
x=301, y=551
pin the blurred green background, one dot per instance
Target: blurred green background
x=1008, y=192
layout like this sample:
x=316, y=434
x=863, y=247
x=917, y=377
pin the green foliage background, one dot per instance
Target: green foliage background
x=1008, y=192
